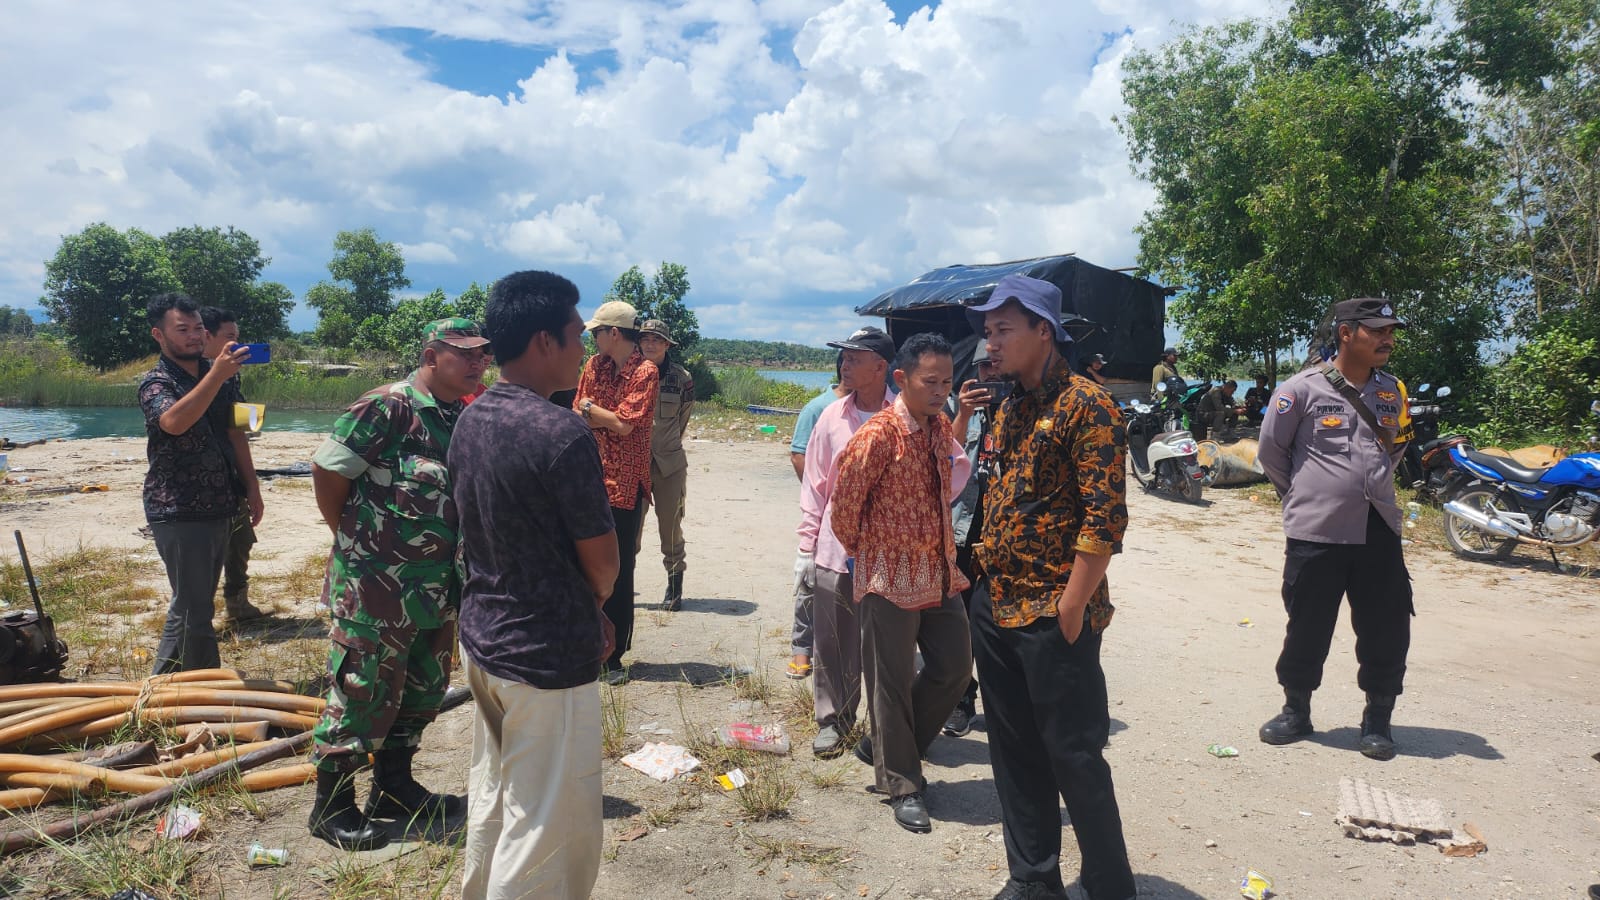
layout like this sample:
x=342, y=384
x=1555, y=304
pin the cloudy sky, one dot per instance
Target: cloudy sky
x=798, y=156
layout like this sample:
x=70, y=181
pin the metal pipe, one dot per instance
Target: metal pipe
x=1479, y=520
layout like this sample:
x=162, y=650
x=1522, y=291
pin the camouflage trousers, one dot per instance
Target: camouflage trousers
x=386, y=686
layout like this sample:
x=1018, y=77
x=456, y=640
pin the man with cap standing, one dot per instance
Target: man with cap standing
x=836, y=650
x=617, y=397
x=1329, y=443
x=393, y=587
x=669, y=465
x=1166, y=368
x=1054, y=513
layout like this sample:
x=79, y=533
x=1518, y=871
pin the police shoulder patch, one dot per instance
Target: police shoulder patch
x=1285, y=403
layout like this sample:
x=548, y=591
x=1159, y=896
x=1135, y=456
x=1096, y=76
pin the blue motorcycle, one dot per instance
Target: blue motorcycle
x=1556, y=507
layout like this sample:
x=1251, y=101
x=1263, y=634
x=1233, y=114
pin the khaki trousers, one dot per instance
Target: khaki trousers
x=667, y=494
x=533, y=806
x=836, y=650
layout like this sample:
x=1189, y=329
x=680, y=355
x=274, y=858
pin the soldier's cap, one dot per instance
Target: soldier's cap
x=455, y=331
x=659, y=329
x=1373, y=312
x=1170, y=351
x=1036, y=295
x=980, y=353
x=614, y=314
x=870, y=338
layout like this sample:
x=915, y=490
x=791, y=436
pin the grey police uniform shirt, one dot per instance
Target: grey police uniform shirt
x=1326, y=461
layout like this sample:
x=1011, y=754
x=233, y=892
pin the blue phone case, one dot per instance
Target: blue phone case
x=259, y=353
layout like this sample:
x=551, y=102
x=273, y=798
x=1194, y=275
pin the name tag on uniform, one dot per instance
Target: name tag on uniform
x=1331, y=421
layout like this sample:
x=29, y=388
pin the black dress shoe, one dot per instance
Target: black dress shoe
x=864, y=749
x=960, y=722
x=911, y=813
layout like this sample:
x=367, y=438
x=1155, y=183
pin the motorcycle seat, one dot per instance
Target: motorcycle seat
x=1507, y=468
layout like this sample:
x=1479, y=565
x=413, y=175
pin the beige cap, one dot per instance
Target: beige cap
x=614, y=314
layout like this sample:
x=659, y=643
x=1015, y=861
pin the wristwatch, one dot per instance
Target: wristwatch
x=583, y=409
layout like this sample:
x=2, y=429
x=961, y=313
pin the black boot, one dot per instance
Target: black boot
x=334, y=816
x=1293, y=723
x=396, y=795
x=1376, y=741
x=672, y=600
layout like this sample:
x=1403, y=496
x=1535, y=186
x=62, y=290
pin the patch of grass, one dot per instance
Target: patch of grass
x=98, y=864
x=832, y=775
x=613, y=721
x=741, y=386
x=96, y=597
x=667, y=816
x=825, y=859
x=432, y=872
x=756, y=684
x=797, y=709
x=302, y=582
x=771, y=789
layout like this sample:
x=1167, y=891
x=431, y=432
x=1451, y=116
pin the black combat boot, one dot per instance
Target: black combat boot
x=1293, y=723
x=334, y=816
x=672, y=600
x=1376, y=741
x=396, y=795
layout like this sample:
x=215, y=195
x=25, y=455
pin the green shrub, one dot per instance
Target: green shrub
x=742, y=386
x=1544, y=388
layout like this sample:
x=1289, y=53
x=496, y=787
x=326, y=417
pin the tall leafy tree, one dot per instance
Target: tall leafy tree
x=1302, y=161
x=15, y=322
x=472, y=302
x=661, y=297
x=221, y=268
x=366, y=274
x=96, y=287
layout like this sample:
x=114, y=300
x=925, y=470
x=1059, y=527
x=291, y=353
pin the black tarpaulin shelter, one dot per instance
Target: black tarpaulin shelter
x=1125, y=315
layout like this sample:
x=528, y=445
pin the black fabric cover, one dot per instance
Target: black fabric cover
x=1128, y=313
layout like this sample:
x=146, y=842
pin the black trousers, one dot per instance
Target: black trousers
x=1373, y=576
x=619, y=607
x=1045, y=702
x=968, y=564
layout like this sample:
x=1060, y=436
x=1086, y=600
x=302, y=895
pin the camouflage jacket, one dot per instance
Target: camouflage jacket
x=394, y=558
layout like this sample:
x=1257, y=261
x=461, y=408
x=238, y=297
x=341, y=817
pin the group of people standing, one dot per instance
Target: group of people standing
x=501, y=518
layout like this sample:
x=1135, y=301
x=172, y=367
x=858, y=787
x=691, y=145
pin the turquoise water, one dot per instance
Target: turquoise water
x=814, y=380
x=19, y=423
x=27, y=424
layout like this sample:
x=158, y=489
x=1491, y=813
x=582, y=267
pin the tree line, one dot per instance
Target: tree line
x=1443, y=154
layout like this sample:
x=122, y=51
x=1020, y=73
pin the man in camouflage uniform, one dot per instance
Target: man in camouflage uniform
x=392, y=585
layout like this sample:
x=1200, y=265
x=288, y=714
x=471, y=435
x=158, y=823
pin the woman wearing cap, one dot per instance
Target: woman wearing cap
x=669, y=465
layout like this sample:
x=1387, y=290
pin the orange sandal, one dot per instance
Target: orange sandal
x=799, y=670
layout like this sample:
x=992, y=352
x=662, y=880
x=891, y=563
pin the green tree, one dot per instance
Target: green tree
x=472, y=302
x=96, y=288
x=221, y=268
x=15, y=322
x=662, y=297
x=1303, y=161
x=400, y=332
x=366, y=273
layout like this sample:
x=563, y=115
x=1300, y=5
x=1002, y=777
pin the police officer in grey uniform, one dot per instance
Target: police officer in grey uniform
x=1329, y=443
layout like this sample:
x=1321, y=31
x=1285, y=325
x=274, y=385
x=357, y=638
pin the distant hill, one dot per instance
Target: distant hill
x=764, y=354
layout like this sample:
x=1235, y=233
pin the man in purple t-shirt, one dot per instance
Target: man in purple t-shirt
x=541, y=558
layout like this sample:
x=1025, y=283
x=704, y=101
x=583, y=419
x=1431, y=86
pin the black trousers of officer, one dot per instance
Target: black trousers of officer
x=1045, y=704
x=1373, y=576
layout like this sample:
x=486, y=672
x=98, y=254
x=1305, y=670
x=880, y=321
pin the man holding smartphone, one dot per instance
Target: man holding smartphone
x=222, y=329
x=200, y=471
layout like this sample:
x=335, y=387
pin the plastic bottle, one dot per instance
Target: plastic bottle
x=768, y=738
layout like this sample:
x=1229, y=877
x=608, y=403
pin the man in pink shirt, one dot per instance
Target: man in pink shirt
x=836, y=656
x=891, y=512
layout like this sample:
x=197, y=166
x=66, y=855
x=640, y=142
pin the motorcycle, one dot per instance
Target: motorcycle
x=1164, y=459
x=1426, y=467
x=1556, y=507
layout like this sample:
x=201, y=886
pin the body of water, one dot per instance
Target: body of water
x=28, y=423
x=21, y=423
x=814, y=380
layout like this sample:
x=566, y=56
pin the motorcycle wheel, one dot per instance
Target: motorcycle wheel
x=1472, y=542
x=1187, y=488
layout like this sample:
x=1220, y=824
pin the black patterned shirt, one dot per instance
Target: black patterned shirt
x=1059, y=488
x=192, y=476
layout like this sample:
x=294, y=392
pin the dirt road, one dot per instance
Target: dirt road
x=1498, y=722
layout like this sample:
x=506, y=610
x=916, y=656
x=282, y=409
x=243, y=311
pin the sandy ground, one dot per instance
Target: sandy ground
x=1498, y=723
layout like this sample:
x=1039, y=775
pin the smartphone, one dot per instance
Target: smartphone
x=259, y=353
x=997, y=389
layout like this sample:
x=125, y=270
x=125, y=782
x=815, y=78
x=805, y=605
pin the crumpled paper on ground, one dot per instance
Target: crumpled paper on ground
x=663, y=762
